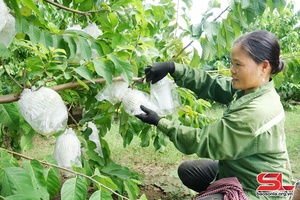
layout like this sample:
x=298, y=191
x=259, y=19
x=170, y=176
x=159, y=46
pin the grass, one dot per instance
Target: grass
x=292, y=129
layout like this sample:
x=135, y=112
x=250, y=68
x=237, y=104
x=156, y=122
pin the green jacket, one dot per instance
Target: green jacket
x=247, y=140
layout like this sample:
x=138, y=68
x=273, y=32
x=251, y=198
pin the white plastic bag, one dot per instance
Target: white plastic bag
x=67, y=149
x=7, y=25
x=93, y=30
x=94, y=137
x=44, y=110
x=113, y=93
x=133, y=100
x=163, y=94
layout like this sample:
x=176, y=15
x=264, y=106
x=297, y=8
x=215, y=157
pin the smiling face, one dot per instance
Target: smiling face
x=246, y=74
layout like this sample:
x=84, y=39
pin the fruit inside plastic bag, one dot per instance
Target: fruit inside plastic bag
x=7, y=25
x=134, y=99
x=44, y=110
x=94, y=137
x=93, y=30
x=163, y=93
x=67, y=149
x=113, y=93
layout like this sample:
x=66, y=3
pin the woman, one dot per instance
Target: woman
x=249, y=139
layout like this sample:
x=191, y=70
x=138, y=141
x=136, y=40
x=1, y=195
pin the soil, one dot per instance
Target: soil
x=161, y=183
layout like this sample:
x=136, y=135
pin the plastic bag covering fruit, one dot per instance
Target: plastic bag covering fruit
x=67, y=149
x=134, y=99
x=113, y=93
x=7, y=25
x=93, y=30
x=44, y=110
x=94, y=137
x=164, y=94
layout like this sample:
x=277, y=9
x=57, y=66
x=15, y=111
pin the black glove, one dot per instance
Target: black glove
x=158, y=71
x=149, y=117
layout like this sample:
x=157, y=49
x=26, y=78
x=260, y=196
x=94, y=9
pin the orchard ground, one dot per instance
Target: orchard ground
x=159, y=169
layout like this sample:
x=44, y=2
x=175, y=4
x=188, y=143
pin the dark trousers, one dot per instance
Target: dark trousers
x=197, y=174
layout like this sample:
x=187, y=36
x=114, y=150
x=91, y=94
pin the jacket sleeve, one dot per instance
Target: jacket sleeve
x=218, y=88
x=220, y=140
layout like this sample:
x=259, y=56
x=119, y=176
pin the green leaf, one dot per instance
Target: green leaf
x=104, y=69
x=67, y=2
x=4, y=52
x=124, y=68
x=10, y=115
x=36, y=172
x=34, y=33
x=211, y=29
x=104, y=180
x=17, y=181
x=85, y=49
x=195, y=59
x=52, y=176
x=131, y=188
x=279, y=4
x=228, y=34
x=143, y=197
x=22, y=26
x=86, y=5
x=32, y=6
x=259, y=6
x=71, y=51
x=74, y=189
x=196, y=30
x=208, y=49
x=53, y=183
x=21, y=197
x=84, y=72
x=245, y=4
x=26, y=142
x=101, y=194
x=158, y=12
x=16, y=8
x=46, y=39
x=113, y=20
x=145, y=136
x=7, y=160
x=114, y=169
x=82, y=83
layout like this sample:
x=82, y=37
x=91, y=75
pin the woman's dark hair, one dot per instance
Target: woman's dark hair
x=262, y=46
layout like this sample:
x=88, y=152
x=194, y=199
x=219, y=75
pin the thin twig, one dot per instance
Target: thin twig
x=65, y=169
x=71, y=116
x=12, y=78
x=221, y=13
x=66, y=8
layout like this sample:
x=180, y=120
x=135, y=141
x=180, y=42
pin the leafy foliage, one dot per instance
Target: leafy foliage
x=47, y=52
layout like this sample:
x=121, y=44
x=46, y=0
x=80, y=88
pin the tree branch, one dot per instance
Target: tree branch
x=15, y=97
x=66, y=8
x=65, y=169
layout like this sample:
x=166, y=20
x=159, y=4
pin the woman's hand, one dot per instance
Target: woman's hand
x=158, y=71
x=149, y=117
